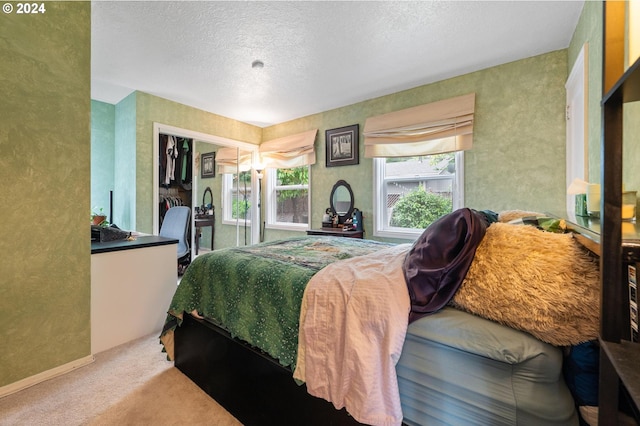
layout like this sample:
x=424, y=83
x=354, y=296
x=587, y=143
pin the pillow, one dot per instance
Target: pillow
x=439, y=259
x=539, y=282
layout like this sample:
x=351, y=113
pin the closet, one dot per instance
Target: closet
x=175, y=173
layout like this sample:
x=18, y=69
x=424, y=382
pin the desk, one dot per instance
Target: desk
x=132, y=283
x=202, y=221
x=336, y=232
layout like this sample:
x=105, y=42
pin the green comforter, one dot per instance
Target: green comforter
x=255, y=292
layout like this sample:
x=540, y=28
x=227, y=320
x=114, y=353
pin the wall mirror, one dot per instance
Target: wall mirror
x=341, y=200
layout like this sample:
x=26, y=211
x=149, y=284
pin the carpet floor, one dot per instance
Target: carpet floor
x=132, y=384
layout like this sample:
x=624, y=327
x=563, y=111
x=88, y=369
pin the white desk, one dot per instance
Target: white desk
x=132, y=283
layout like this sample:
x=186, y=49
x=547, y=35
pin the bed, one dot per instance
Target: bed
x=239, y=327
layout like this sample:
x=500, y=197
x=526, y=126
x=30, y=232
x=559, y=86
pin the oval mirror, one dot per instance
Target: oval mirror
x=341, y=200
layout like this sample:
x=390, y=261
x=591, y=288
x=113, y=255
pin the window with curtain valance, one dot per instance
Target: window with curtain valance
x=234, y=167
x=290, y=151
x=287, y=187
x=418, y=164
x=434, y=128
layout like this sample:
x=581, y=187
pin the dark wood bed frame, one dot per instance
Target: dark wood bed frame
x=251, y=385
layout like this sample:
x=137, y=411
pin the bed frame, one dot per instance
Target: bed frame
x=251, y=385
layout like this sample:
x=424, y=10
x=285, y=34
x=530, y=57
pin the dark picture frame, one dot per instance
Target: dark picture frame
x=208, y=165
x=342, y=146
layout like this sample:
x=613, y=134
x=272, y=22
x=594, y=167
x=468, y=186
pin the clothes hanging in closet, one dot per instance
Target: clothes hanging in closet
x=171, y=151
x=183, y=164
x=166, y=202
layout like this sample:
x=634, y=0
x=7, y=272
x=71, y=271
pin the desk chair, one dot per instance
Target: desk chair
x=176, y=224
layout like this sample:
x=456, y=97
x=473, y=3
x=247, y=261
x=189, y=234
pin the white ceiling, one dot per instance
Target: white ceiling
x=318, y=55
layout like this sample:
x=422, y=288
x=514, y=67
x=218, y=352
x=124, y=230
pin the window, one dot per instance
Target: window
x=236, y=195
x=412, y=192
x=418, y=163
x=287, y=198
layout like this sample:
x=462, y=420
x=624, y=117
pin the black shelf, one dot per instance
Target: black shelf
x=624, y=358
x=627, y=88
x=139, y=242
x=619, y=358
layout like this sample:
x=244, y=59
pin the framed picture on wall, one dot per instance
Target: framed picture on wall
x=342, y=146
x=208, y=165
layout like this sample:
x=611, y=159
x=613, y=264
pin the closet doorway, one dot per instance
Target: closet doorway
x=175, y=172
x=212, y=143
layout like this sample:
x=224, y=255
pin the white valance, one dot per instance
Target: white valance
x=233, y=160
x=289, y=151
x=434, y=128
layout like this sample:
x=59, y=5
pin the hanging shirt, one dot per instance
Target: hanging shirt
x=172, y=154
x=185, y=162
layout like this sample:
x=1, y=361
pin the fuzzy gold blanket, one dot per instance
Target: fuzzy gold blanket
x=539, y=282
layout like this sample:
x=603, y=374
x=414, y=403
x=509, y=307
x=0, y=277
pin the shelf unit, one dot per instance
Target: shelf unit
x=619, y=358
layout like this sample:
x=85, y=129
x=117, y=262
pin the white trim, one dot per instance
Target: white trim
x=458, y=182
x=45, y=375
x=379, y=198
x=271, y=204
x=227, y=202
x=576, y=116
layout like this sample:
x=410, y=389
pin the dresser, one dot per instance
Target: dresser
x=336, y=232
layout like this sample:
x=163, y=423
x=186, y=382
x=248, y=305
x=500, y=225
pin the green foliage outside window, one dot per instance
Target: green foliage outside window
x=240, y=209
x=419, y=208
x=295, y=176
x=240, y=206
x=297, y=197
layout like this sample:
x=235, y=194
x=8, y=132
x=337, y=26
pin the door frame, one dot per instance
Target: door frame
x=576, y=119
x=160, y=128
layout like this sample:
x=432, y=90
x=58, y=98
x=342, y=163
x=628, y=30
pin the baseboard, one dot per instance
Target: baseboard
x=45, y=375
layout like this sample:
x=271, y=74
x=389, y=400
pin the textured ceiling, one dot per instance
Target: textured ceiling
x=318, y=55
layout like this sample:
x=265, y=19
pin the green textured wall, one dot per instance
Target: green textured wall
x=589, y=30
x=45, y=170
x=103, y=136
x=518, y=156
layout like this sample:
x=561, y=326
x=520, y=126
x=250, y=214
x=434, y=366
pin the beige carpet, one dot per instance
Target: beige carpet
x=132, y=384
x=170, y=398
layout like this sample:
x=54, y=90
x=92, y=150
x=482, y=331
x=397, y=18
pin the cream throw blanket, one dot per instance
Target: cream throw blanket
x=353, y=321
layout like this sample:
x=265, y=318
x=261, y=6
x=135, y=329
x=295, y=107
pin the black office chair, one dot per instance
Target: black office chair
x=176, y=224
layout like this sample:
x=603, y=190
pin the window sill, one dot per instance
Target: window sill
x=284, y=227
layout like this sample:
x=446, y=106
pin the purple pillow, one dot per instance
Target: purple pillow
x=440, y=258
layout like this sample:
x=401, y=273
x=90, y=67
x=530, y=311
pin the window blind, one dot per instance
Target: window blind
x=433, y=128
x=232, y=160
x=289, y=151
